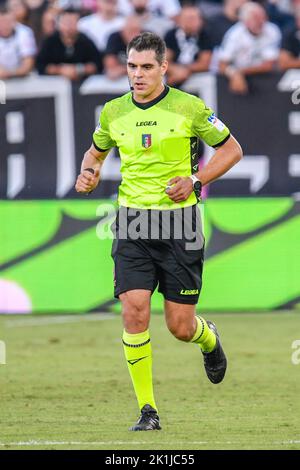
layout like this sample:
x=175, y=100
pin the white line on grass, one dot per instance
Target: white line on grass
x=98, y=443
x=63, y=443
x=129, y=443
x=17, y=323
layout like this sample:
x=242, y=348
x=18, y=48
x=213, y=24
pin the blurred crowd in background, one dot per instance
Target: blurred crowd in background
x=79, y=38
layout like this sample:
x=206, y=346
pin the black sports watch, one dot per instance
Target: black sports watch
x=197, y=185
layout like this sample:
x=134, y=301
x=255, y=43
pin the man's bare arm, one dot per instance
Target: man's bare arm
x=264, y=67
x=229, y=70
x=202, y=62
x=24, y=69
x=113, y=68
x=93, y=159
x=288, y=61
x=225, y=158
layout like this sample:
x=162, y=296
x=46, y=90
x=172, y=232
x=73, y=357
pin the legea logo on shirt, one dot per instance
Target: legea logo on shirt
x=146, y=123
x=216, y=122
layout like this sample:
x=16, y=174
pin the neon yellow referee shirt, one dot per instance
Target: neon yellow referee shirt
x=157, y=141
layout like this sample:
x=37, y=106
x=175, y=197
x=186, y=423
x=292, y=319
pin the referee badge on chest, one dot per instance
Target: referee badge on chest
x=146, y=140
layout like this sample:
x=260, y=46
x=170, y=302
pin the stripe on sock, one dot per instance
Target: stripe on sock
x=136, y=345
x=202, y=330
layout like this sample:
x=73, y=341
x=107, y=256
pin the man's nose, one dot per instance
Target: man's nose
x=138, y=72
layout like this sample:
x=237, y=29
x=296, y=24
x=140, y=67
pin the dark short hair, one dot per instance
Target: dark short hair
x=149, y=42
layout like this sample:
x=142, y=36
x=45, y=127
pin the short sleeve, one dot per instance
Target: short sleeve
x=228, y=46
x=208, y=127
x=101, y=136
x=271, y=49
x=26, y=44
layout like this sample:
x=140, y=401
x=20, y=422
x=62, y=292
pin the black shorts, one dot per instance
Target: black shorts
x=164, y=248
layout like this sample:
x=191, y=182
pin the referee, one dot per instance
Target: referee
x=156, y=129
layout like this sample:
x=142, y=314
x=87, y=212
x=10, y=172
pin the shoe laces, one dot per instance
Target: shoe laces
x=145, y=415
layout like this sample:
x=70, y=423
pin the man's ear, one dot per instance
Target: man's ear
x=164, y=67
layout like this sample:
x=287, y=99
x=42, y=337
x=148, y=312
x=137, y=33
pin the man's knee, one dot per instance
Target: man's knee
x=180, y=320
x=181, y=330
x=135, y=310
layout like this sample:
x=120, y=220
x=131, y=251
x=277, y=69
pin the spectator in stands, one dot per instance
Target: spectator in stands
x=37, y=8
x=290, y=50
x=167, y=8
x=249, y=47
x=68, y=52
x=115, y=60
x=188, y=46
x=17, y=47
x=219, y=24
x=151, y=21
x=48, y=23
x=20, y=10
x=99, y=26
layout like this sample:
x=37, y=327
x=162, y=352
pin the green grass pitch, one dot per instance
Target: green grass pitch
x=65, y=386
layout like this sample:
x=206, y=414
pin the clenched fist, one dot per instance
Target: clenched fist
x=181, y=189
x=87, y=181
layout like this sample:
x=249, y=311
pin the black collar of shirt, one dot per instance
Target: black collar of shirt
x=152, y=102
